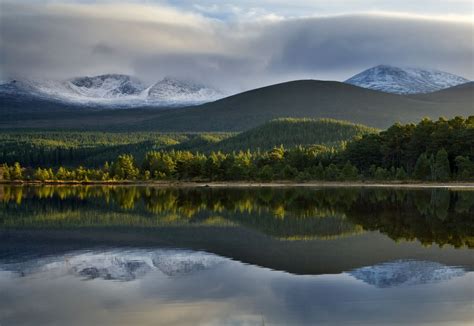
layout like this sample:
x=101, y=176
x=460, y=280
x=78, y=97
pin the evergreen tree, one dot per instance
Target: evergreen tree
x=465, y=168
x=422, y=168
x=124, y=168
x=332, y=172
x=266, y=173
x=39, y=175
x=16, y=172
x=289, y=172
x=381, y=174
x=349, y=172
x=317, y=172
x=6, y=172
x=62, y=174
x=441, y=170
x=401, y=174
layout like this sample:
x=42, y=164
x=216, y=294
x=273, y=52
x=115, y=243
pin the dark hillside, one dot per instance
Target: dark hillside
x=288, y=132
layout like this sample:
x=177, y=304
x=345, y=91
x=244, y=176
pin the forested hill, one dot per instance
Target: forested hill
x=289, y=132
x=439, y=150
x=311, y=99
x=298, y=99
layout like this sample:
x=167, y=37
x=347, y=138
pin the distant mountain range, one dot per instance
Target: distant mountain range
x=398, y=80
x=123, y=91
x=113, y=90
x=184, y=106
x=296, y=99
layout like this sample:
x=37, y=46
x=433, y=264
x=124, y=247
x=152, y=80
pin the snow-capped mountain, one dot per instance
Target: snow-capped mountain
x=107, y=86
x=118, y=265
x=113, y=90
x=176, y=91
x=398, y=80
x=406, y=272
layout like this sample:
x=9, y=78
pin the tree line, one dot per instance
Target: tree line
x=439, y=150
x=92, y=149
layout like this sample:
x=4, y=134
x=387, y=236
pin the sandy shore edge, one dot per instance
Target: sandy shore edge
x=275, y=184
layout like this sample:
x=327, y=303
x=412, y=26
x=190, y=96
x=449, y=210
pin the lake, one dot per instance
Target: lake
x=132, y=255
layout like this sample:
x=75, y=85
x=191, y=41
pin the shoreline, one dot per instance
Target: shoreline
x=252, y=184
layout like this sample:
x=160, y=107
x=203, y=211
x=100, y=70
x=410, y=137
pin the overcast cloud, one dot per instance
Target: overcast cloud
x=231, y=47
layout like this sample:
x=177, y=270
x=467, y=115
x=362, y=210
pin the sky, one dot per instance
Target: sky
x=233, y=45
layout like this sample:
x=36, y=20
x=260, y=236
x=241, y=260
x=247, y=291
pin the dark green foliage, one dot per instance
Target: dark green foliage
x=349, y=172
x=401, y=174
x=423, y=168
x=402, y=152
x=86, y=148
x=441, y=169
x=465, y=168
x=288, y=132
x=414, y=147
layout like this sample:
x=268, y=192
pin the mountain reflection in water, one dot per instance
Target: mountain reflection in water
x=147, y=256
x=129, y=265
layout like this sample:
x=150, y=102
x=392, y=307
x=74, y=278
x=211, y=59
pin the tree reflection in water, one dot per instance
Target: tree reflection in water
x=432, y=216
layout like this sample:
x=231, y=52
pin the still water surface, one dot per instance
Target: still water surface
x=290, y=256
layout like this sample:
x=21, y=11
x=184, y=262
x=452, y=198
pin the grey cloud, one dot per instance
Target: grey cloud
x=57, y=43
x=348, y=42
x=102, y=48
x=219, y=70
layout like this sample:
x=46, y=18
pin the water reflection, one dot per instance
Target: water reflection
x=436, y=216
x=162, y=286
x=139, y=255
x=129, y=265
x=406, y=272
x=117, y=265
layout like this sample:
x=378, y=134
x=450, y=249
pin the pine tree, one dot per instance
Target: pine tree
x=381, y=174
x=441, y=169
x=332, y=172
x=266, y=173
x=124, y=168
x=401, y=174
x=422, y=168
x=16, y=172
x=465, y=168
x=62, y=174
x=6, y=172
x=38, y=175
x=349, y=172
x=317, y=172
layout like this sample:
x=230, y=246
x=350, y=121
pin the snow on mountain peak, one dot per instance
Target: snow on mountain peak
x=391, y=79
x=406, y=272
x=170, y=90
x=114, y=90
x=107, y=86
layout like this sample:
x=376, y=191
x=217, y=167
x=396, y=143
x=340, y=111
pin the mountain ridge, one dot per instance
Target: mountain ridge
x=409, y=80
x=308, y=99
x=295, y=99
x=113, y=90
